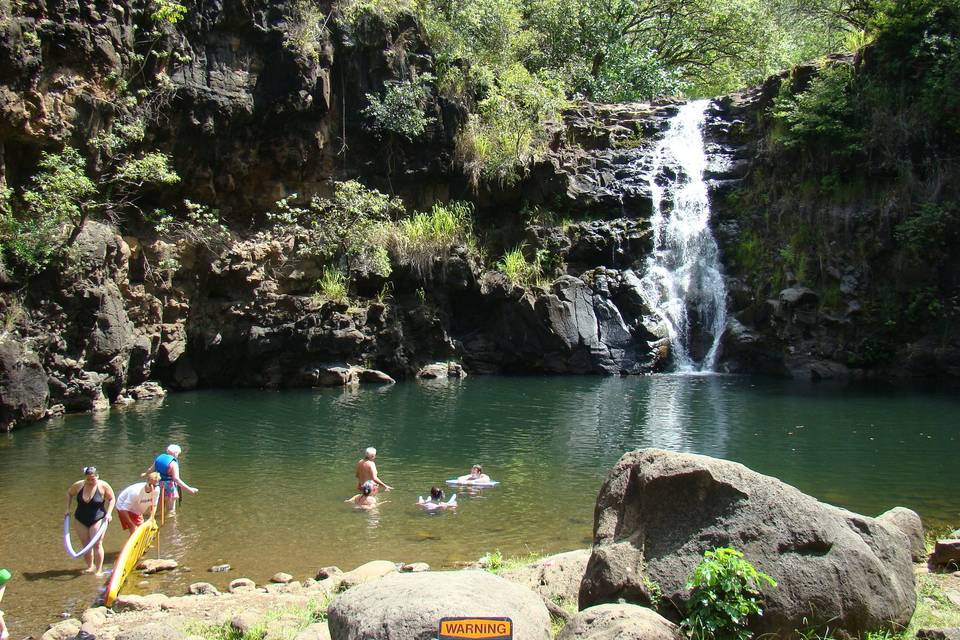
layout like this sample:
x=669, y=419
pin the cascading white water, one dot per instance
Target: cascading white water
x=682, y=277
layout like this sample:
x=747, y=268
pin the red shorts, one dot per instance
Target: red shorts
x=129, y=519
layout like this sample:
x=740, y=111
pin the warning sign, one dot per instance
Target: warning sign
x=474, y=628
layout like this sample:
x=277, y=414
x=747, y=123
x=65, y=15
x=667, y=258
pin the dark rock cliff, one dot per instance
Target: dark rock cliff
x=248, y=119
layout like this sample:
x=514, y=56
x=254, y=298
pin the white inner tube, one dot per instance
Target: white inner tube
x=68, y=545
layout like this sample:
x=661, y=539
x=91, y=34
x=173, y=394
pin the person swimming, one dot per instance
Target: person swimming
x=366, y=498
x=476, y=475
x=436, y=500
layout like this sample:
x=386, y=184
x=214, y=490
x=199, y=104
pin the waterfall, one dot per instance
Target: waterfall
x=682, y=284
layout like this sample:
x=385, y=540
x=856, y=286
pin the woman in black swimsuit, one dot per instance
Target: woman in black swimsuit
x=95, y=501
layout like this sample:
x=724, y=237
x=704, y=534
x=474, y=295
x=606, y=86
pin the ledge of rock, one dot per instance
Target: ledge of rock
x=554, y=577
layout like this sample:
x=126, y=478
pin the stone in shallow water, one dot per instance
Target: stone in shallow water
x=242, y=584
x=153, y=565
x=281, y=577
x=203, y=588
x=219, y=568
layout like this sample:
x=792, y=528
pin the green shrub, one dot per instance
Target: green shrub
x=424, y=237
x=332, y=285
x=724, y=593
x=824, y=114
x=305, y=29
x=168, y=11
x=931, y=227
x=518, y=270
x=401, y=109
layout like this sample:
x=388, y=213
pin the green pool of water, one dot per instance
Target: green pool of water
x=273, y=468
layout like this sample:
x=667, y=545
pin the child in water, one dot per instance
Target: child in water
x=436, y=500
x=365, y=499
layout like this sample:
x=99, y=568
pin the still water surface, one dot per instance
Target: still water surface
x=273, y=468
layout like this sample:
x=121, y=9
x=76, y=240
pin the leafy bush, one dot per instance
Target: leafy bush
x=931, y=227
x=823, y=114
x=201, y=226
x=168, y=11
x=305, y=29
x=725, y=592
x=400, y=111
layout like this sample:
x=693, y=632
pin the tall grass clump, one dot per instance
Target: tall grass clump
x=518, y=269
x=332, y=285
x=420, y=240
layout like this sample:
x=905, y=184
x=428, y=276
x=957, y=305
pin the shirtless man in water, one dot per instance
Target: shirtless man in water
x=367, y=471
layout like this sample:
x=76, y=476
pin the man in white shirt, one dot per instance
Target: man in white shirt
x=138, y=499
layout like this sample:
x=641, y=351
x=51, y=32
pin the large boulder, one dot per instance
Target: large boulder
x=619, y=622
x=555, y=577
x=23, y=385
x=908, y=522
x=657, y=513
x=409, y=606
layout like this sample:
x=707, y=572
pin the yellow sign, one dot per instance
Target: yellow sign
x=476, y=629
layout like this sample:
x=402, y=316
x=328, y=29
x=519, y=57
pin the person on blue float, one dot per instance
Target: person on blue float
x=476, y=475
x=168, y=466
x=95, y=502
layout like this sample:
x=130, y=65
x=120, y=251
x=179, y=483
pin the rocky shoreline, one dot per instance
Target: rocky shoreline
x=838, y=574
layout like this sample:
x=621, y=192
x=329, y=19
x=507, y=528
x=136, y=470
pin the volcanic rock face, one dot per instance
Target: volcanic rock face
x=659, y=511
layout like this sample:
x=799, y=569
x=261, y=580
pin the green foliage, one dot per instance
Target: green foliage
x=932, y=227
x=426, y=237
x=305, y=29
x=168, y=11
x=401, y=110
x=518, y=270
x=725, y=592
x=496, y=562
x=824, y=114
x=201, y=226
x=332, y=285
x=58, y=200
x=387, y=12
x=152, y=167
x=296, y=617
x=507, y=130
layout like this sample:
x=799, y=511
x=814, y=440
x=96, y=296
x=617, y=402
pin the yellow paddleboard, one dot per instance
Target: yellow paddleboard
x=143, y=536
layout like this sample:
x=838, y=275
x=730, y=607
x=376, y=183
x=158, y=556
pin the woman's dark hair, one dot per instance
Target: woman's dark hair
x=436, y=493
x=366, y=488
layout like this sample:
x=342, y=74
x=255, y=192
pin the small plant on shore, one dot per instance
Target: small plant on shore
x=724, y=593
x=492, y=561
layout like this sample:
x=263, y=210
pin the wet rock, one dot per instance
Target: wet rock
x=281, y=577
x=203, y=589
x=946, y=554
x=62, y=630
x=240, y=585
x=335, y=376
x=410, y=606
x=657, y=513
x=441, y=371
x=367, y=572
x=153, y=565
x=219, y=568
x=554, y=577
x=147, y=391
x=799, y=298
x=373, y=376
x=415, y=567
x=908, y=522
x=328, y=572
x=23, y=385
x=620, y=621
